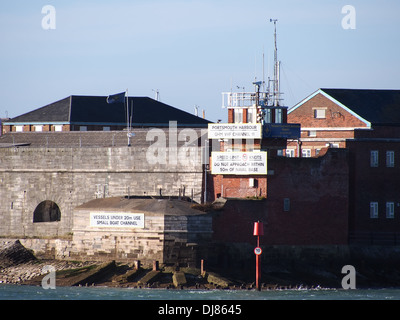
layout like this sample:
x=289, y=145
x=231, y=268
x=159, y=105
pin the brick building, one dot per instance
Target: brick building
x=329, y=117
x=337, y=184
x=367, y=124
x=374, y=201
x=301, y=201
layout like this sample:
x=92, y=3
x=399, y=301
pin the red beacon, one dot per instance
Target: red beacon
x=258, y=231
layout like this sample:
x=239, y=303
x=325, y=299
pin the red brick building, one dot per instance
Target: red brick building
x=329, y=117
x=367, y=123
x=338, y=184
x=306, y=203
x=374, y=186
x=301, y=201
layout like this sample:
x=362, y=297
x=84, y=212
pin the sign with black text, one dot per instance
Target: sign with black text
x=234, y=131
x=239, y=163
x=117, y=219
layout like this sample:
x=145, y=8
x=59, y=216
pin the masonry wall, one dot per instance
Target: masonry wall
x=378, y=184
x=169, y=239
x=306, y=204
x=72, y=176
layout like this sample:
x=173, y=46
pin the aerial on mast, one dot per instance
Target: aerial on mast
x=276, y=82
x=264, y=96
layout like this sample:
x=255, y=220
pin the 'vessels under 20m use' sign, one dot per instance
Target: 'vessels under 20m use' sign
x=116, y=219
x=239, y=163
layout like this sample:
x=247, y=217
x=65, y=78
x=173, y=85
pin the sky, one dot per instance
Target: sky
x=192, y=50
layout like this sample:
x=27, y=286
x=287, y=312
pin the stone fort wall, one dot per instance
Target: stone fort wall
x=72, y=176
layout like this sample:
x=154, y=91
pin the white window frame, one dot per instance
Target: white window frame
x=389, y=210
x=306, y=153
x=278, y=115
x=290, y=153
x=390, y=159
x=238, y=115
x=267, y=116
x=374, y=158
x=251, y=115
x=320, y=113
x=373, y=210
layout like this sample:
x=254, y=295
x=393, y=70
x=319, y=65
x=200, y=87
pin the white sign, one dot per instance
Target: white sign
x=118, y=220
x=234, y=131
x=240, y=163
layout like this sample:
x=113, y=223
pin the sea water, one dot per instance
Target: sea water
x=21, y=292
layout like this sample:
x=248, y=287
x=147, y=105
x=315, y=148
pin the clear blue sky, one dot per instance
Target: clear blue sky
x=192, y=50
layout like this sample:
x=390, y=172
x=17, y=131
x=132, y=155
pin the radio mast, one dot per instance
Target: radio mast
x=276, y=82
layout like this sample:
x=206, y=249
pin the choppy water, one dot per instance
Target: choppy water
x=18, y=292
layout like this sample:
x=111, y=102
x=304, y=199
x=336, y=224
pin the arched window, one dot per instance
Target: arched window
x=47, y=211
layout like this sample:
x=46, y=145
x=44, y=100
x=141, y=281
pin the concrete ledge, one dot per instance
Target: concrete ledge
x=179, y=279
x=218, y=280
x=149, y=277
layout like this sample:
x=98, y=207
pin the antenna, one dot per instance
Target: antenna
x=276, y=88
x=157, y=97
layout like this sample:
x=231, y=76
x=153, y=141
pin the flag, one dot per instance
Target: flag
x=116, y=98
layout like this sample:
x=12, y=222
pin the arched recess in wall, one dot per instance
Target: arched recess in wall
x=47, y=211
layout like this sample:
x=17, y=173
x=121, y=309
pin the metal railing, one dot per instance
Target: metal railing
x=242, y=99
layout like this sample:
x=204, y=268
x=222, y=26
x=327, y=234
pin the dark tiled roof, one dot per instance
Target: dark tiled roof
x=155, y=205
x=375, y=106
x=54, y=112
x=96, y=110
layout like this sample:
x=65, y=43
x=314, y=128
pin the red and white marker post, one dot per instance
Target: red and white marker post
x=258, y=231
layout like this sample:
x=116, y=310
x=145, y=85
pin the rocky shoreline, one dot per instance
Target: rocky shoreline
x=19, y=265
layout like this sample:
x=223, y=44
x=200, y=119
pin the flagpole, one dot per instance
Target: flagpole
x=127, y=117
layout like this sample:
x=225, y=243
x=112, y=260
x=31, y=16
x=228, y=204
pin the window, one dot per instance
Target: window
x=373, y=210
x=319, y=113
x=38, y=128
x=83, y=128
x=106, y=128
x=390, y=210
x=312, y=133
x=290, y=153
x=19, y=128
x=58, y=128
x=267, y=117
x=306, y=153
x=374, y=158
x=286, y=204
x=390, y=159
x=251, y=115
x=278, y=115
x=238, y=115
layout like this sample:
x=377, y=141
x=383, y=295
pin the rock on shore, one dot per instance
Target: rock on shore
x=18, y=264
